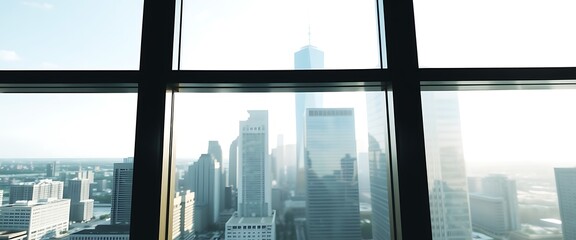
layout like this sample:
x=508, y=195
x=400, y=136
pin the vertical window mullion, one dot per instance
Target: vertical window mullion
x=151, y=187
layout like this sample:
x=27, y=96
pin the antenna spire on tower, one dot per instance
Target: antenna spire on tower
x=309, y=35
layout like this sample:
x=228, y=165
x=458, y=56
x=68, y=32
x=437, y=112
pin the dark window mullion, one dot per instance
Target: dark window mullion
x=411, y=212
x=151, y=186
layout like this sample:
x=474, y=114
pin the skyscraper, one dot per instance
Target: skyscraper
x=308, y=57
x=449, y=207
x=254, y=218
x=378, y=164
x=332, y=201
x=232, y=163
x=121, y=193
x=216, y=151
x=566, y=189
x=204, y=179
x=81, y=207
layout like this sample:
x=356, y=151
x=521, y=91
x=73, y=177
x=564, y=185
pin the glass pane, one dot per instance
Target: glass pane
x=260, y=34
x=70, y=34
x=64, y=169
x=282, y=165
x=501, y=163
x=495, y=33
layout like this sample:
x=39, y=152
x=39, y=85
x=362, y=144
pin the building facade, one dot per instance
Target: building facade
x=254, y=219
x=42, y=189
x=81, y=207
x=378, y=164
x=121, y=193
x=308, y=57
x=566, y=189
x=447, y=186
x=332, y=196
x=204, y=179
x=42, y=219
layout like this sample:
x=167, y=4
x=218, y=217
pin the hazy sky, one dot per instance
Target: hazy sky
x=264, y=34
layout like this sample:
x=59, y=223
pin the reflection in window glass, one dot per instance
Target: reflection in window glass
x=495, y=33
x=259, y=34
x=64, y=166
x=499, y=162
x=70, y=34
x=282, y=165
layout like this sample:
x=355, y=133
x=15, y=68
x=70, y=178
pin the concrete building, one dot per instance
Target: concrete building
x=332, y=195
x=81, y=207
x=121, y=193
x=494, y=208
x=42, y=189
x=254, y=219
x=103, y=232
x=186, y=213
x=566, y=189
x=42, y=219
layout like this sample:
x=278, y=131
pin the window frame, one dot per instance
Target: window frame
x=403, y=80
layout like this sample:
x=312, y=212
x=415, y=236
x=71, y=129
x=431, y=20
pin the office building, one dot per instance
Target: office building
x=103, y=232
x=216, y=151
x=186, y=214
x=204, y=179
x=232, y=163
x=332, y=200
x=308, y=57
x=42, y=189
x=378, y=165
x=81, y=207
x=448, y=196
x=494, y=209
x=566, y=189
x=51, y=170
x=42, y=219
x=176, y=215
x=121, y=193
x=255, y=218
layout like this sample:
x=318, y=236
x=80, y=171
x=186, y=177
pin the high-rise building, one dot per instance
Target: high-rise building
x=332, y=198
x=51, y=169
x=121, y=193
x=254, y=218
x=449, y=207
x=566, y=189
x=232, y=163
x=378, y=164
x=42, y=189
x=42, y=219
x=204, y=180
x=494, y=209
x=308, y=57
x=216, y=151
x=81, y=207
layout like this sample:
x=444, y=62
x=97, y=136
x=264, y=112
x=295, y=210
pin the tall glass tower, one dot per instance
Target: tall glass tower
x=121, y=193
x=565, y=179
x=378, y=160
x=447, y=186
x=332, y=204
x=308, y=57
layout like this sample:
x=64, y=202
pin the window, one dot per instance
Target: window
x=400, y=83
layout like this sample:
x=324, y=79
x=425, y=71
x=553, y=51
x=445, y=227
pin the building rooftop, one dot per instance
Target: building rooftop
x=106, y=229
x=236, y=220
